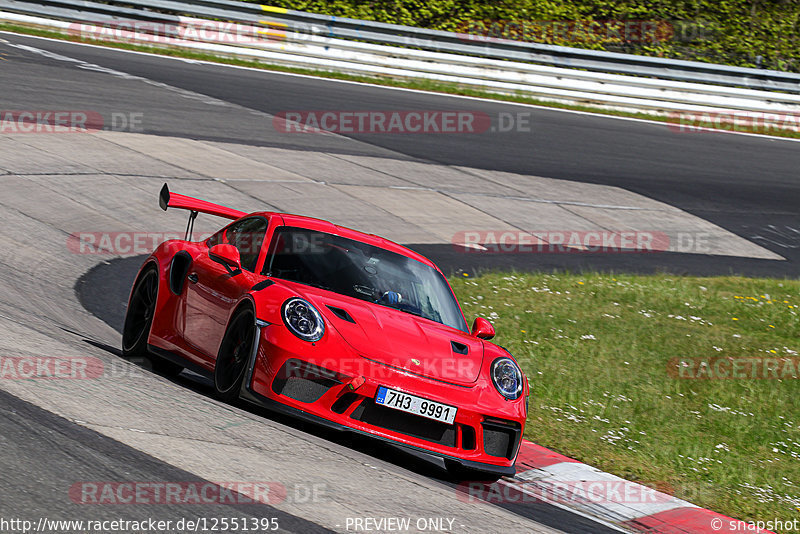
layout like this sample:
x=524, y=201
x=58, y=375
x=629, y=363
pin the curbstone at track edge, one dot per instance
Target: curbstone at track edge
x=545, y=475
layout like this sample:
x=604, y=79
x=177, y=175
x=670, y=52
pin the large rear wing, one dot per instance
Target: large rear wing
x=174, y=200
x=195, y=206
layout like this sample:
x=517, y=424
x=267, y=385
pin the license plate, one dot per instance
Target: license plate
x=404, y=402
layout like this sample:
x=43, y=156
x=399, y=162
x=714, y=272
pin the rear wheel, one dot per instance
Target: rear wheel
x=234, y=355
x=139, y=316
x=139, y=319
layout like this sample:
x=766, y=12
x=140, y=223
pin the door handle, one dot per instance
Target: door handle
x=193, y=278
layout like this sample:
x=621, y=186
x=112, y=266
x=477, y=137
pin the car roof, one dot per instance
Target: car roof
x=311, y=223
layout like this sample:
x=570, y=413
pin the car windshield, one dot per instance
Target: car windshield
x=362, y=271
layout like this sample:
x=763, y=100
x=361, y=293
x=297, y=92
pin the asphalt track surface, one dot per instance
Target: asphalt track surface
x=29, y=434
x=747, y=185
x=104, y=292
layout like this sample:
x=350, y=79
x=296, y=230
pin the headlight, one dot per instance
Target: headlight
x=303, y=319
x=507, y=378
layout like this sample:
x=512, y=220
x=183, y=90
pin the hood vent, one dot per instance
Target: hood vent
x=342, y=314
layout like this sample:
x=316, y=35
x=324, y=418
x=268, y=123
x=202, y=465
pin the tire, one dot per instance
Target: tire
x=139, y=319
x=139, y=316
x=234, y=355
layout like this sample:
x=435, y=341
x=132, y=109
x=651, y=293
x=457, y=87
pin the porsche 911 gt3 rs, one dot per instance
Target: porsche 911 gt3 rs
x=331, y=325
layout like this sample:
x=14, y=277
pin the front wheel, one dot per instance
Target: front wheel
x=234, y=355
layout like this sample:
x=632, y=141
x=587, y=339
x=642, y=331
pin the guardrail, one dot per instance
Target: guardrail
x=330, y=43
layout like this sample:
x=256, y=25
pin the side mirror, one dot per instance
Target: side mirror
x=228, y=257
x=482, y=328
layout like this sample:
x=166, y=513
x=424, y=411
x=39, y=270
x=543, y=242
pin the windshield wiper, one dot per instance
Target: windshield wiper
x=418, y=314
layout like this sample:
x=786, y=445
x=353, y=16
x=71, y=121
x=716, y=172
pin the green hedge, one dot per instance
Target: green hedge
x=750, y=33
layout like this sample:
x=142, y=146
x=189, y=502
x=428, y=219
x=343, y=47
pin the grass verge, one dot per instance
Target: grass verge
x=600, y=352
x=701, y=122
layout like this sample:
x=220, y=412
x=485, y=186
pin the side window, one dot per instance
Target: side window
x=247, y=236
x=216, y=239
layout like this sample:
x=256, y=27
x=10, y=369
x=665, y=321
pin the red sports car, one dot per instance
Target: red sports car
x=330, y=325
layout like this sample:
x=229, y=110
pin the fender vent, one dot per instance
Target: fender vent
x=177, y=271
x=459, y=348
x=262, y=285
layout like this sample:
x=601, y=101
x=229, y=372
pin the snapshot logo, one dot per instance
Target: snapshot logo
x=734, y=368
x=763, y=123
x=565, y=492
x=51, y=368
x=567, y=241
x=186, y=30
x=726, y=524
x=386, y=122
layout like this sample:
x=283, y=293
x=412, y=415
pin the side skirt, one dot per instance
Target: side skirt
x=179, y=360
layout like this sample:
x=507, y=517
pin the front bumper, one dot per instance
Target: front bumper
x=290, y=376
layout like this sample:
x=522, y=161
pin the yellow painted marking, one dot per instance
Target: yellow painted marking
x=272, y=34
x=272, y=23
x=273, y=9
